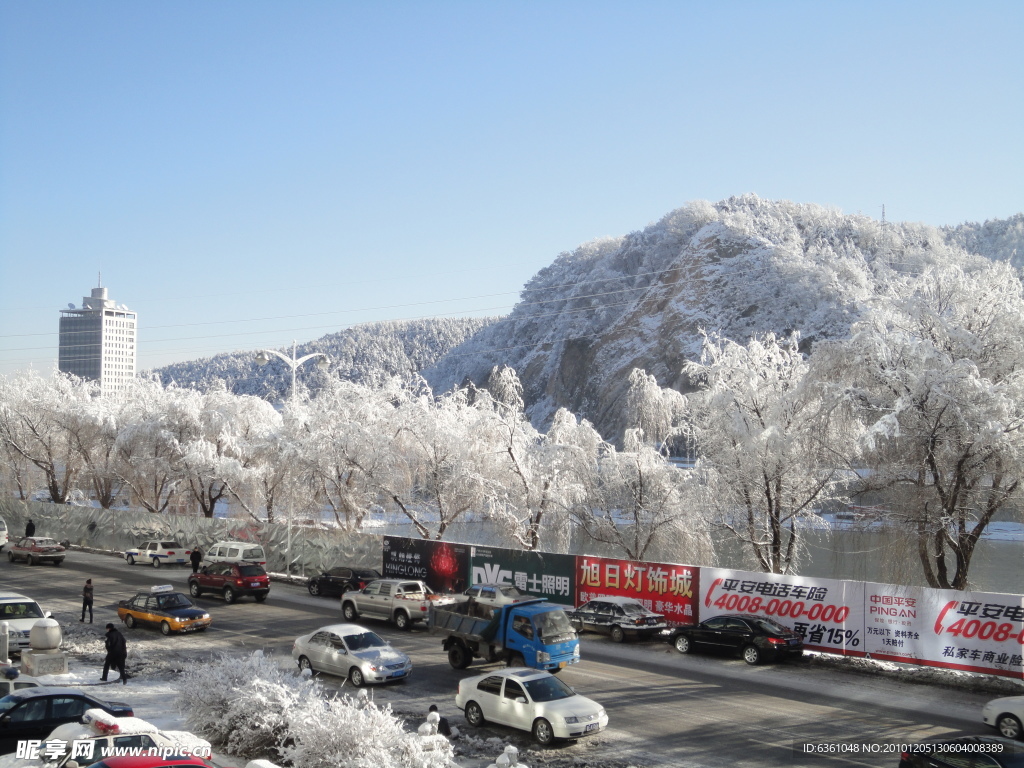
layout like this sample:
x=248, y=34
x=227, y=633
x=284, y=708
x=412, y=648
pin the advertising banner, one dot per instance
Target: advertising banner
x=442, y=565
x=541, y=574
x=829, y=613
x=970, y=631
x=670, y=590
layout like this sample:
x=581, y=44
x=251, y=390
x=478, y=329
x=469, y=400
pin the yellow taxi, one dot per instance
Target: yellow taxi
x=162, y=607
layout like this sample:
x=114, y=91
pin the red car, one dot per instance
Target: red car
x=35, y=550
x=232, y=580
x=152, y=761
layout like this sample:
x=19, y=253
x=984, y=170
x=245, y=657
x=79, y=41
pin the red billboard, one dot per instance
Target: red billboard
x=671, y=590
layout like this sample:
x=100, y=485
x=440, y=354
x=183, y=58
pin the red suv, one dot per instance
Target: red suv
x=232, y=580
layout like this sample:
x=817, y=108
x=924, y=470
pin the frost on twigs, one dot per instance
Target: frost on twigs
x=251, y=708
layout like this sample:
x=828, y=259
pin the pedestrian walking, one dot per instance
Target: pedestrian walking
x=87, y=600
x=117, y=654
x=30, y=528
x=196, y=557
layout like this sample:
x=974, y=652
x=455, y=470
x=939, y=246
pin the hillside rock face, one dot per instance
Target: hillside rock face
x=740, y=267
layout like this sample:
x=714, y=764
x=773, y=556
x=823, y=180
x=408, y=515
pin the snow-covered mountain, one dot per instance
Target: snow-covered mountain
x=738, y=267
x=364, y=353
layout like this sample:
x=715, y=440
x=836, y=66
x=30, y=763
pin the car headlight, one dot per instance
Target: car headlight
x=206, y=616
x=571, y=719
x=543, y=656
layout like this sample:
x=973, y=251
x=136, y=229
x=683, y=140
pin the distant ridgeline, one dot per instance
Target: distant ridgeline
x=740, y=267
x=363, y=354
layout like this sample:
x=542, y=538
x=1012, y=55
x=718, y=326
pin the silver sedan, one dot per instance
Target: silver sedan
x=352, y=651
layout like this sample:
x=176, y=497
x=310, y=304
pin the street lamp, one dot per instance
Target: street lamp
x=262, y=358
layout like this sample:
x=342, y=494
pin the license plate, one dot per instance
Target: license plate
x=397, y=674
x=561, y=665
x=591, y=727
x=794, y=641
x=652, y=621
x=254, y=583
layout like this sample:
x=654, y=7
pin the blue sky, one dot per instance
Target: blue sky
x=248, y=173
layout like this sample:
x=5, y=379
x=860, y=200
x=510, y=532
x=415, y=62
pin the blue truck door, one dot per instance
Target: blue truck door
x=520, y=637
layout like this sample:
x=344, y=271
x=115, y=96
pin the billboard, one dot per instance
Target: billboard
x=829, y=613
x=442, y=565
x=541, y=574
x=671, y=590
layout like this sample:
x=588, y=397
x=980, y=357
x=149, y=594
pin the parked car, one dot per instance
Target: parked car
x=399, y=600
x=618, y=617
x=497, y=594
x=232, y=580
x=35, y=550
x=530, y=700
x=157, y=553
x=153, y=761
x=20, y=613
x=33, y=713
x=965, y=752
x=236, y=552
x=104, y=732
x=352, y=651
x=1005, y=715
x=162, y=607
x=755, y=638
x=3, y=534
x=338, y=581
x=18, y=682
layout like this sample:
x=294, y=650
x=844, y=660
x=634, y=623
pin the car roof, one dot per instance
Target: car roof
x=13, y=596
x=147, y=761
x=50, y=690
x=519, y=673
x=342, y=629
x=617, y=599
x=237, y=543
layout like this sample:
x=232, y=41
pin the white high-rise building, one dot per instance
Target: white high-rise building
x=98, y=340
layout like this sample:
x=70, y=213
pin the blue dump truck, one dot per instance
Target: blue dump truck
x=531, y=633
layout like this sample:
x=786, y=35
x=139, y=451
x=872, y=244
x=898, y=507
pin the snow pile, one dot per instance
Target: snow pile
x=252, y=708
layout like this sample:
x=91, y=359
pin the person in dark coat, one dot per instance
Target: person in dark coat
x=117, y=654
x=87, y=600
x=196, y=557
x=444, y=728
x=30, y=528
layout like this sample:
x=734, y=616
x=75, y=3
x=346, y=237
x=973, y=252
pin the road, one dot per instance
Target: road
x=665, y=709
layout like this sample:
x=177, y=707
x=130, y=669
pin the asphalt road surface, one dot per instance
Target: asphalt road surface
x=665, y=709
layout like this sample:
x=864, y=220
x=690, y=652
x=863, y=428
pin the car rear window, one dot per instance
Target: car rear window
x=251, y=570
x=411, y=588
x=255, y=553
x=633, y=608
x=771, y=627
x=170, y=545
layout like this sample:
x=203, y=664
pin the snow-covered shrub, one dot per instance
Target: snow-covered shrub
x=346, y=733
x=242, y=705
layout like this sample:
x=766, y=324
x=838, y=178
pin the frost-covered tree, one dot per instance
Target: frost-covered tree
x=657, y=412
x=765, y=445
x=936, y=376
x=146, y=447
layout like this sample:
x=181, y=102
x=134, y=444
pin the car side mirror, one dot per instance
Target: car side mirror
x=521, y=700
x=47, y=614
x=5, y=719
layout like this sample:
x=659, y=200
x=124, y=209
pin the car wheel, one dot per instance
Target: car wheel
x=194, y=590
x=618, y=635
x=683, y=644
x=33, y=560
x=156, y=562
x=402, y=620
x=516, y=660
x=543, y=733
x=314, y=588
x=229, y=595
x=57, y=562
x=355, y=676
x=348, y=610
x=260, y=598
x=304, y=663
x=165, y=628
x=459, y=657
x=130, y=559
x=474, y=715
x=1008, y=726
x=10, y=556
x=129, y=621
x=752, y=655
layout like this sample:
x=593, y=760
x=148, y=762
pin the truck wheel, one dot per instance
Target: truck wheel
x=492, y=655
x=348, y=610
x=459, y=657
x=402, y=620
x=516, y=660
x=474, y=715
x=618, y=635
x=543, y=732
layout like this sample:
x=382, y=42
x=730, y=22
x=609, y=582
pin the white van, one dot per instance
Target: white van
x=3, y=534
x=235, y=552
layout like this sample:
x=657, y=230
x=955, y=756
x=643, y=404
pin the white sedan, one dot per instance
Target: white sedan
x=1005, y=715
x=351, y=651
x=531, y=700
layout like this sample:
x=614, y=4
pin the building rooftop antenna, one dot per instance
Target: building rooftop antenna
x=99, y=275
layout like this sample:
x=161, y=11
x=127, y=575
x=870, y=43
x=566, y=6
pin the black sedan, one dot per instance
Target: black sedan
x=617, y=617
x=974, y=751
x=755, y=638
x=32, y=713
x=338, y=581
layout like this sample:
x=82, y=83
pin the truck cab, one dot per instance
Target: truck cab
x=541, y=635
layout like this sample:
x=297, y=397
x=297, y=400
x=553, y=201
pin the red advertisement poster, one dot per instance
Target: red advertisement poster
x=671, y=590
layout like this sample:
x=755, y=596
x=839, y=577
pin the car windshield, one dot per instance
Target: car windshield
x=7, y=703
x=772, y=628
x=548, y=689
x=552, y=624
x=26, y=610
x=174, y=600
x=170, y=545
x=364, y=640
x=251, y=570
x=510, y=592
